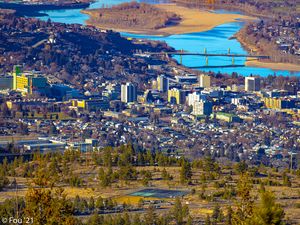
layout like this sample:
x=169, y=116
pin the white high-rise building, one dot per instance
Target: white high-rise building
x=204, y=81
x=252, y=84
x=194, y=97
x=162, y=83
x=128, y=92
x=202, y=108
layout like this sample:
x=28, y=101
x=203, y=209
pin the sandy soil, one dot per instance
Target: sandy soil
x=263, y=64
x=274, y=66
x=193, y=20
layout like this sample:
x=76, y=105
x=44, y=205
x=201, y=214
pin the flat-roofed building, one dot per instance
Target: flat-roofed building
x=128, y=93
x=202, y=108
x=204, y=81
x=252, y=84
x=28, y=82
x=176, y=96
x=6, y=82
x=162, y=83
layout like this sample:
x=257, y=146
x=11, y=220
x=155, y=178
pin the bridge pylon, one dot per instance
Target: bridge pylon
x=181, y=51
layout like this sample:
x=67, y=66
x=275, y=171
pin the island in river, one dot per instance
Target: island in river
x=34, y=8
x=164, y=20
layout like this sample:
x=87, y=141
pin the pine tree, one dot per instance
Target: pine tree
x=244, y=209
x=107, y=158
x=105, y=179
x=126, y=219
x=217, y=214
x=95, y=219
x=177, y=211
x=99, y=203
x=150, y=216
x=185, y=172
x=49, y=207
x=165, y=175
x=268, y=212
x=228, y=218
x=207, y=220
x=136, y=220
x=91, y=204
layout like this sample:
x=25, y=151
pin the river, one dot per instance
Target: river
x=215, y=40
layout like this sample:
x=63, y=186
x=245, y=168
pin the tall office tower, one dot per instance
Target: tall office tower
x=204, y=81
x=162, y=83
x=252, y=84
x=128, y=92
x=193, y=97
x=202, y=108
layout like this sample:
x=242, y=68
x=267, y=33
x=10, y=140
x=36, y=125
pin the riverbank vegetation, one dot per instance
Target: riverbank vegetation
x=133, y=15
x=184, y=20
x=276, y=34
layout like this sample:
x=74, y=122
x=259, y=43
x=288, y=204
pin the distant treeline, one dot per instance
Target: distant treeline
x=265, y=8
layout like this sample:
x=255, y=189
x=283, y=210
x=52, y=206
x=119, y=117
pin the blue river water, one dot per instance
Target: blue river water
x=216, y=40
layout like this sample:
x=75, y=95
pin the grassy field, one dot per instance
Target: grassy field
x=202, y=185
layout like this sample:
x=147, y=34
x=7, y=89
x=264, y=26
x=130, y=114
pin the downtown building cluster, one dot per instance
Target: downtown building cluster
x=177, y=113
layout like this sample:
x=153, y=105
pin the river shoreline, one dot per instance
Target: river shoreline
x=33, y=10
x=263, y=63
x=253, y=67
x=192, y=20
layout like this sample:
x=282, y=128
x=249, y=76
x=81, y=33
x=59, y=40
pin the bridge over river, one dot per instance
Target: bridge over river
x=207, y=55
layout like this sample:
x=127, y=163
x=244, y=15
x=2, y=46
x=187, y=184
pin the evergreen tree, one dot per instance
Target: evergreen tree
x=91, y=204
x=150, y=216
x=244, y=209
x=107, y=157
x=49, y=207
x=268, y=212
x=241, y=167
x=228, y=218
x=96, y=219
x=136, y=220
x=165, y=175
x=207, y=220
x=177, y=211
x=217, y=214
x=126, y=219
x=105, y=179
x=185, y=172
x=286, y=180
x=99, y=203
